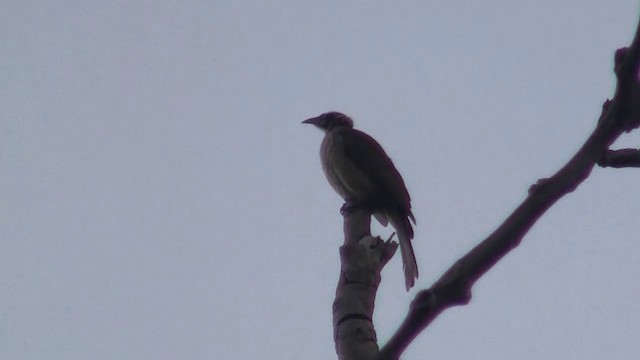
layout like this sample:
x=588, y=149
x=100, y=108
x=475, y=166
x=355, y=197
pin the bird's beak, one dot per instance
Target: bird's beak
x=313, y=121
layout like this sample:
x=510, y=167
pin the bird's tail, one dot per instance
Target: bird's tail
x=400, y=222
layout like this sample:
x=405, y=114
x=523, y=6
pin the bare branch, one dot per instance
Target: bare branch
x=454, y=287
x=622, y=158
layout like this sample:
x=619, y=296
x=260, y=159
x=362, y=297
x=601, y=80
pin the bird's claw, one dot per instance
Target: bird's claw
x=349, y=206
x=346, y=207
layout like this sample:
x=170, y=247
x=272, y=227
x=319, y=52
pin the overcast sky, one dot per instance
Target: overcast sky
x=159, y=198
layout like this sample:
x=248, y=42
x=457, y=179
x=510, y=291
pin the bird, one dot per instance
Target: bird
x=361, y=172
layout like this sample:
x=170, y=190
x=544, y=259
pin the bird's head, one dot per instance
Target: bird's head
x=330, y=120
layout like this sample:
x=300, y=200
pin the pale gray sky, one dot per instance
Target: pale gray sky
x=160, y=199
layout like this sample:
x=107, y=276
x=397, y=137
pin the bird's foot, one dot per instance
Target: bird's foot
x=350, y=206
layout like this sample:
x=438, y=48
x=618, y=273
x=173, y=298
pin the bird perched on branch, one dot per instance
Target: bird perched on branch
x=360, y=171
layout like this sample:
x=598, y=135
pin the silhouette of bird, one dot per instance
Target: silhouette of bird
x=360, y=171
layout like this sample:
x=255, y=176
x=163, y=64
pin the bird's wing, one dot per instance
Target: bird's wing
x=366, y=154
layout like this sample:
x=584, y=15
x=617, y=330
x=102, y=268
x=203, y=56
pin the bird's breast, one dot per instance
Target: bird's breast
x=341, y=171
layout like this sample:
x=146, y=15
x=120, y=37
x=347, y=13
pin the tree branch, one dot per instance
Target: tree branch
x=362, y=257
x=454, y=287
x=622, y=158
